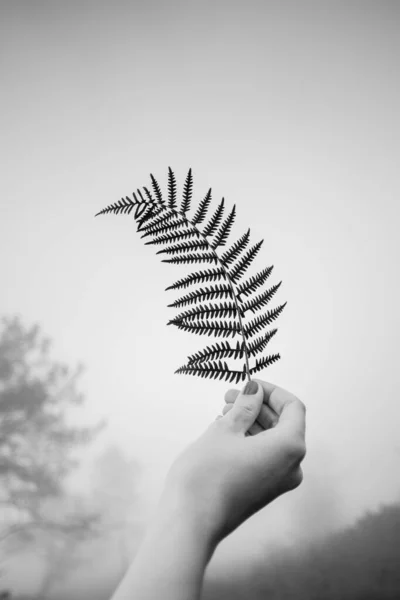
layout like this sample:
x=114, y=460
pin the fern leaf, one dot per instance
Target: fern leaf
x=149, y=196
x=173, y=225
x=213, y=370
x=122, y=206
x=217, y=307
x=261, y=300
x=145, y=208
x=217, y=328
x=171, y=189
x=141, y=212
x=151, y=213
x=184, y=247
x=243, y=264
x=199, y=277
x=225, y=228
x=226, y=309
x=162, y=214
x=157, y=190
x=169, y=238
x=249, y=286
x=209, y=293
x=230, y=255
x=262, y=363
x=259, y=344
x=260, y=322
x=215, y=220
x=207, y=257
x=201, y=212
x=187, y=192
x=218, y=350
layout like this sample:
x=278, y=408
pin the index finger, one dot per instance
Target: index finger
x=276, y=397
x=290, y=410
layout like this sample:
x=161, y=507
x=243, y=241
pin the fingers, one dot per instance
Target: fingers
x=267, y=418
x=276, y=397
x=279, y=407
x=231, y=395
x=263, y=422
x=255, y=428
x=293, y=419
x=246, y=408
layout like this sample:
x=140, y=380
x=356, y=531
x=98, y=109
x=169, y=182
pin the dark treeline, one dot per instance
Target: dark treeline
x=360, y=563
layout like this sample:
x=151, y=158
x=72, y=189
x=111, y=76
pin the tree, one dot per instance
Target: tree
x=37, y=441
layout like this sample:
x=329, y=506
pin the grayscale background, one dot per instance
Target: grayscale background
x=290, y=110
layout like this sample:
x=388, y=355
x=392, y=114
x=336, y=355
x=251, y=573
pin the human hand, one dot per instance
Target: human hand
x=227, y=475
x=267, y=417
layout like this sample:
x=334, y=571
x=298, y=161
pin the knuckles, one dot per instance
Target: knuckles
x=295, y=450
x=248, y=409
x=295, y=479
x=301, y=405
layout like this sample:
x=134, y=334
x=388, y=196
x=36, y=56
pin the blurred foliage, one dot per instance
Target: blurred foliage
x=359, y=563
x=37, y=442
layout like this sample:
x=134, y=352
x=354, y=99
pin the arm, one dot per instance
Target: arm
x=172, y=559
x=233, y=470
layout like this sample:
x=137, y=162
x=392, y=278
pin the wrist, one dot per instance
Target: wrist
x=178, y=509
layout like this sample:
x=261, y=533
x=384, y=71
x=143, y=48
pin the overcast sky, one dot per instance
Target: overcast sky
x=287, y=109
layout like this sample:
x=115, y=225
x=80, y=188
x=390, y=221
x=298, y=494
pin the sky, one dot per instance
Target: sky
x=288, y=110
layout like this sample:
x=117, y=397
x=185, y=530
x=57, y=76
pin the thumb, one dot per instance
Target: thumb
x=246, y=407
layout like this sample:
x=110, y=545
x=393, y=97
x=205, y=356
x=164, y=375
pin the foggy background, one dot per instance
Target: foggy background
x=290, y=111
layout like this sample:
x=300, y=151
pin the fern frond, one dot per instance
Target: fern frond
x=261, y=300
x=173, y=225
x=199, y=277
x=149, y=196
x=213, y=370
x=162, y=215
x=217, y=328
x=184, y=247
x=259, y=344
x=220, y=308
x=256, y=281
x=243, y=263
x=209, y=293
x=262, y=363
x=142, y=212
x=225, y=228
x=215, y=220
x=157, y=190
x=187, y=192
x=230, y=255
x=125, y=205
x=207, y=257
x=260, y=322
x=225, y=309
x=217, y=351
x=151, y=213
x=169, y=238
x=171, y=189
x=201, y=212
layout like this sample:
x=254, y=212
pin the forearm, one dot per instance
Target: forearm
x=172, y=560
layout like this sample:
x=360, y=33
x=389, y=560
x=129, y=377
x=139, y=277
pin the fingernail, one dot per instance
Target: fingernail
x=251, y=387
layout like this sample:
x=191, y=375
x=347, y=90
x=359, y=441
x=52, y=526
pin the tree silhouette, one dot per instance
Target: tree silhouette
x=37, y=443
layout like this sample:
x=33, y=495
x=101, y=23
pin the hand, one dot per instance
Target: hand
x=227, y=475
